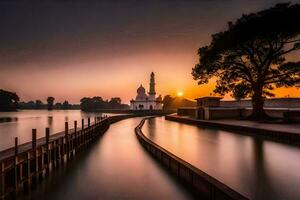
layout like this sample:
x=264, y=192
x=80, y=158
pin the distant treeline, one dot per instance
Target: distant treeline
x=98, y=103
x=38, y=104
x=10, y=101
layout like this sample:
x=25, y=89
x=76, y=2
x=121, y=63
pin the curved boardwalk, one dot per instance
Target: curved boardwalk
x=259, y=169
x=115, y=167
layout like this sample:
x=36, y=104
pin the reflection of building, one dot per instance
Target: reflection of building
x=146, y=102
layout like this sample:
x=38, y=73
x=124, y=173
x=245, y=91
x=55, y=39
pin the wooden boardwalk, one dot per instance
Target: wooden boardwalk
x=24, y=165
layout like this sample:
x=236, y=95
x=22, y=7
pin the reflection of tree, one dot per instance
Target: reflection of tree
x=262, y=183
x=50, y=121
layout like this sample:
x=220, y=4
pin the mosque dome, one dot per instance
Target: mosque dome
x=141, y=90
x=141, y=94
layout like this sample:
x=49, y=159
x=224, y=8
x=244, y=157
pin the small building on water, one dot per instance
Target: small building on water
x=148, y=101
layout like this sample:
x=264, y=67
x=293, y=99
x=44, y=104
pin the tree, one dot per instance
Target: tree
x=58, y=106
x=114, y=103
x=65, y=105
x=250, y=56
x=94, y=103
x=167, y=102
x=50, y=101
x=8, y=101
x=38, y=104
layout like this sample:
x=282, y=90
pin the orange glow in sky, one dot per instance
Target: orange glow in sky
x=108, y=49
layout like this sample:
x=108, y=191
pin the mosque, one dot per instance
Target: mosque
x=147, y=102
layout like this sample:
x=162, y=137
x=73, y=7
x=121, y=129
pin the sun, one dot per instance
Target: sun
x=180, y=93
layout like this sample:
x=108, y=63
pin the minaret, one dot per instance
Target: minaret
x=152, y=92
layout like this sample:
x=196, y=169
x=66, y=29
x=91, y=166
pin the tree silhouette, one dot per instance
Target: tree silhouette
x=50, y=101
x=167, y=101
x=94, y=103
x=38, y=104
x=65, y=105
x=8, y=101
x=250, y=56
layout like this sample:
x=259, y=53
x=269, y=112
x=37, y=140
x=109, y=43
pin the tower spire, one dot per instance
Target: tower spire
x=152, y=85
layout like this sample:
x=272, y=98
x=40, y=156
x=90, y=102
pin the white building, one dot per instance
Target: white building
x=147, y=102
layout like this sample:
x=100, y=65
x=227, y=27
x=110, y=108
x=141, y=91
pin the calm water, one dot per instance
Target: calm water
x=256, y=168
x=19, y=124
x=115, y=167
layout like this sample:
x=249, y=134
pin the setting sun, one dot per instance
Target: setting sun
x=180, y=93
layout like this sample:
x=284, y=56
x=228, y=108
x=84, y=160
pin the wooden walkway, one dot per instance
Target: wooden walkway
x=23, y=165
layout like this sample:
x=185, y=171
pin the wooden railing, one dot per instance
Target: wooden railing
x=24, y=165
x=204, y=185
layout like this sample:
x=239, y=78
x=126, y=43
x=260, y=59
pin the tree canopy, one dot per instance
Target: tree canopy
x=50, y=101
x=96, y=103
x=249, y=58
x=8, y=101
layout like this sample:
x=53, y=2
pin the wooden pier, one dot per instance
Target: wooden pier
x=24, y=165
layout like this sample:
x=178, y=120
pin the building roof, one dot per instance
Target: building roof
x=208, y=97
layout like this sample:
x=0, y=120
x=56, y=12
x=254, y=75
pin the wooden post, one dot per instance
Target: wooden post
x=16, y=163
x=75, y=133
x=47, y=130
x=66, y=128
x=82, y=133
x=34, y=150
x=54, y=152
x=28, y=167
x=2, y=180
x=42, y=161
x=33, y=139
x=16, y=146
x=66, y=140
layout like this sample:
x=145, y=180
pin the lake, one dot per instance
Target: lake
x=20, y=124
x=259, y=169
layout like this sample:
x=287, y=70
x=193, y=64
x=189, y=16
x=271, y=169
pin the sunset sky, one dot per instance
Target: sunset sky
x=108, y=48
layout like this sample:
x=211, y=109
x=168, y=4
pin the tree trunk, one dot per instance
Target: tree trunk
x=258, y=112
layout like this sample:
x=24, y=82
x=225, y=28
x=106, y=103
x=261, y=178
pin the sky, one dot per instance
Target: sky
x=71, y=49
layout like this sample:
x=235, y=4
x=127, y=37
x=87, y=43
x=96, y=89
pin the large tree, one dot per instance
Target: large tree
x=8, y=101
x=249, y=57
x=50, y=101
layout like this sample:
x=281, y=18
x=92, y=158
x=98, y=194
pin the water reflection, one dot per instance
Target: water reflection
x=259, y=169
x=50, y=121
x=151, y=131
x=8, y=119
x=116, y=167
x=263, y=182
x=19, y=124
